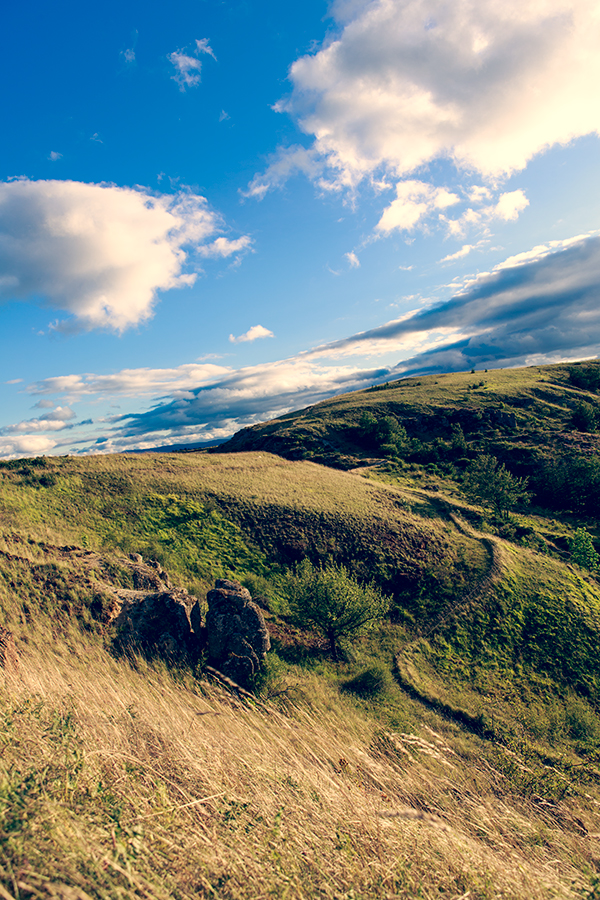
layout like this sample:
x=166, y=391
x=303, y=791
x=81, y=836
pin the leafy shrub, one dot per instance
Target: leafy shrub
x=582, y=721
x=332, y=601
x=490, y=483
x=572, y=481
x=585, y=417
x=585, y=377
x=583, y=551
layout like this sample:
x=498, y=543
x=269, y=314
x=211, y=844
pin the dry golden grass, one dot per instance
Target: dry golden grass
x=121, y=782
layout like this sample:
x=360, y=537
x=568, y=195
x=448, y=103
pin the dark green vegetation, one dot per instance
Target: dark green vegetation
x=539, y=422
x=437, y=575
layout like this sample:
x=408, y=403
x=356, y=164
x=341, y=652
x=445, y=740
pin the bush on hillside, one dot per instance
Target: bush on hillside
x=369, y=682
x=585, y=377
x=585, y=417
x=332, y=601
x=490, y=483
x=583, y=551
x=570, y=482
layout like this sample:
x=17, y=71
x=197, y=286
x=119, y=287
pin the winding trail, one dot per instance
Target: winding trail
x=404, y=669
x=484, y=585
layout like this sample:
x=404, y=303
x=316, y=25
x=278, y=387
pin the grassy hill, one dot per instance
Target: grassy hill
x=532, y=419
x=454, y=750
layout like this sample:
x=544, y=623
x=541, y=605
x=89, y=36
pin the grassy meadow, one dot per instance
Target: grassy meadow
x=454, y=749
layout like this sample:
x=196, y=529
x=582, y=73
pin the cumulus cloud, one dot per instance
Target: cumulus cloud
x=25, y=445
x=101, y=252
x=486, y=85
x=188, y=68
x=414, y=201
x=510, y=205
x=253, y=334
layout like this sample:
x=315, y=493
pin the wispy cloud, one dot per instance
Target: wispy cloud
x=546, y=302
x=188, y=68
x=353, y=259
x=464, y=251
x=203, y=46
x=253, y=334
x=55, y=420
x=130, y=382
x=54, y=156
x=100, y=252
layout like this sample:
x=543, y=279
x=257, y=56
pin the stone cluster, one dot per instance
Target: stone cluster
x=156, y=618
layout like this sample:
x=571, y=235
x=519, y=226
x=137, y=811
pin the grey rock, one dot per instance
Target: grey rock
x=157, y=621
x=237, y=635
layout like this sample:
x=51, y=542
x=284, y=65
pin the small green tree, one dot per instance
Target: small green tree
x=333, y=601
x=458, y=440
x=585, y=417
x=583, y=551
x=490, y=483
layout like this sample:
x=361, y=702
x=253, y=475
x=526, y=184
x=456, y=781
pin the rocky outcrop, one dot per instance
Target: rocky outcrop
x=156, y=622
x=149, y=575
x=236, y=633
x=169, y=623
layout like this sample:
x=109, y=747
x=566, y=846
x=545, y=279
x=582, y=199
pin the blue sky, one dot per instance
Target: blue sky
x=213, y=213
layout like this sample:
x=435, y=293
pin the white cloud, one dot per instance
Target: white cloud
x=253, y=334
x=464, y=251
x=25, y=445
x=101, y=252
x=54, y=156
x=353, y=259
x=507, y=208
x=188, y=68
x=129, y=382
x=485, y=85
x=414, y=201
x=203, y=46
x=284, y=164
x=51, y=421
x=510, y=205
x=224, y=247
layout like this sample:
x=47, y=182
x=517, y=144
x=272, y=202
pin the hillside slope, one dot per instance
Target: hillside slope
x=454, y=751
x=525, y=417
